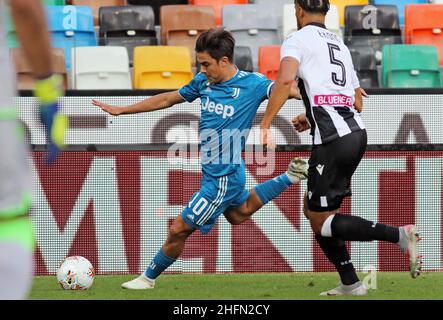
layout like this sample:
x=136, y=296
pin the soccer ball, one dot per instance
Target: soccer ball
x=75, y=273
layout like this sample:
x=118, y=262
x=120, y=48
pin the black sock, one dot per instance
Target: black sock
x=351, y=228
x=337, y=253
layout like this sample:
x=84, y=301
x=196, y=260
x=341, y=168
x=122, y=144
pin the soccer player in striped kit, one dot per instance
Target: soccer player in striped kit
x=333, y=99
x=16, y=234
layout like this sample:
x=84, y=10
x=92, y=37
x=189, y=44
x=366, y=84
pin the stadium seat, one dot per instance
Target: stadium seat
x=156, y=4
x=252, y=25
x=365, y=65
x=410, y=66
x=182, y=24
x=400, y=5
x=100, y=68
x=25, y=76
x=424, y=25
x=274, y=2
x=78, y=31
x=290, y=23
x=269, y=61
x=341, y=4
x=289, y=20
x=54, y=2
x=128, y=26
x=386, y=31
x=162, y=67
x=96, y=4
x=218, y=5
x=243, y=58
x=277, y=9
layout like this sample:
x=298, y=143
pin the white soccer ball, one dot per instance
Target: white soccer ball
x=75, y=273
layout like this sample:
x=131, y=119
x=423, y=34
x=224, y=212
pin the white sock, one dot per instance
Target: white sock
x=149, y=279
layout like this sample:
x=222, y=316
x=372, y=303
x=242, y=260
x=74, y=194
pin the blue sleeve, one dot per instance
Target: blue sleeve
x=191, y=91
x=264, y=87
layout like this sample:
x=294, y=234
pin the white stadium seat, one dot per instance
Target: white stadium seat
x=100, y=68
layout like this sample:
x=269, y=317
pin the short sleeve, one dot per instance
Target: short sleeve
x=355, y=81
x=292, y=47
x=264, y=87
x=191, y=91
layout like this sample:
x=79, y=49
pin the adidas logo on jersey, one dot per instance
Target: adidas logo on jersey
x=223, y=110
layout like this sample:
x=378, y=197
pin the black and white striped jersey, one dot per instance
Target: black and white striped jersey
x=327, y=81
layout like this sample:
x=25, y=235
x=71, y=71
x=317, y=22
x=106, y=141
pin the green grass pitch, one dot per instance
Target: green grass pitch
x=275, y=286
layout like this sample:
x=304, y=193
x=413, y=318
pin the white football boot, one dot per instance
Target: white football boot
x=357, y=289
x=409, y=238
x=139, y=283
x=298, y=170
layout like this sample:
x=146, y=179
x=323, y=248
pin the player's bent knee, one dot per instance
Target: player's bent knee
x=234, y=218
x=179, y=230
x=316, y=222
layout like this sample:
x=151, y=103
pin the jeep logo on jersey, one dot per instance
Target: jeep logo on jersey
x=225, y=111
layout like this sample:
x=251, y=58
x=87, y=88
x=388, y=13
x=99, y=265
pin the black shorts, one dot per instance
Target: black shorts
x=331, y=167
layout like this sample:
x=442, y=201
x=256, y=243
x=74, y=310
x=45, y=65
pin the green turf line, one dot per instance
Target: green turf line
x=287, y=286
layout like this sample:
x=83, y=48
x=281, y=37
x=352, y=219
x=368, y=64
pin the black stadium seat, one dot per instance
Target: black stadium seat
x=128, y=26
x=365, y=64
x=362, y=29
x=156, y=4
x=243, y=58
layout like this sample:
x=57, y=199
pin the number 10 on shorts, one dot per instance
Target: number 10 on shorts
x=200, y=206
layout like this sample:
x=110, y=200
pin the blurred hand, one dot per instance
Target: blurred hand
x=56, y=124
x=301, y=123
x=267, y=139
x=364, y=93
x=115, y=111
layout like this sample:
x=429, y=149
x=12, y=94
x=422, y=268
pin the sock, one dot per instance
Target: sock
x=352, y=228
x=336, y=252
x=273, y=188
x=159, y=263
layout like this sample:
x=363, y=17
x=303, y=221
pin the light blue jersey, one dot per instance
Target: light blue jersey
x=228, y=110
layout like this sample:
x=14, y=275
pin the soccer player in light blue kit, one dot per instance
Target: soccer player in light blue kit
x=229, y=99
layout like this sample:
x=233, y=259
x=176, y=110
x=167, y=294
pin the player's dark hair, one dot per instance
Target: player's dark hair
x=314, y=6
x=217, y=42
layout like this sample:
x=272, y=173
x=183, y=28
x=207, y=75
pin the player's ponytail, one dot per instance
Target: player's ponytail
x=314, y=6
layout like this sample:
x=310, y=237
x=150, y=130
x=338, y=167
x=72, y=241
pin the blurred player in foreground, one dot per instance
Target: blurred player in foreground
x=16, y=233
x=229, y=102
x=333, y=99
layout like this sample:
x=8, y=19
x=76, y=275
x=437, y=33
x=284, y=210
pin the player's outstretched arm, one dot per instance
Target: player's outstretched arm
x=30, y=23
x=157, y=102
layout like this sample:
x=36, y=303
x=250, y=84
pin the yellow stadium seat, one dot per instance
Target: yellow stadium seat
x=341, y=4
x=162, y=67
